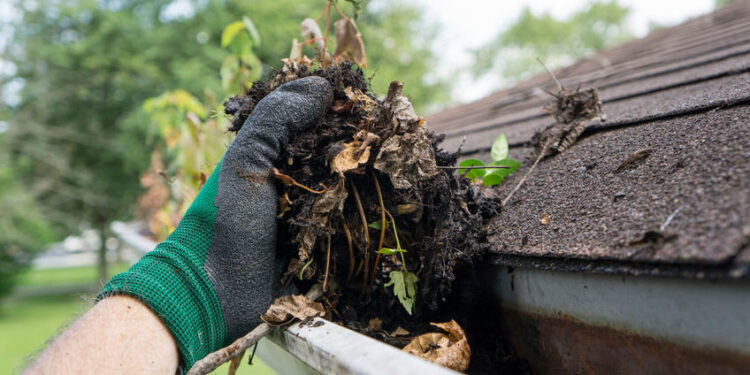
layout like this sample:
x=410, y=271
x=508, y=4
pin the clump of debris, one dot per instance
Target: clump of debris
x=366, y=209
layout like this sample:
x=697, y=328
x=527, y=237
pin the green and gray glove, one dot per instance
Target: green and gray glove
x=212, y=278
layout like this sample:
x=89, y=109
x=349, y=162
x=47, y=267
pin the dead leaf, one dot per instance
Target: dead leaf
x=572, y=110
x=398, y=110
x=400, y=331
x=349, y=45
x=355, y=154
x=330, y=202
x=287, y=308
x=347, y=159
x=448, y=350
x=545, y=219
x=310, y=30
x=362, y=102
x=375, y=324
x=407, y=159
x=341, y=106
x=634, y=158
x=285, y=204
x=406, y=208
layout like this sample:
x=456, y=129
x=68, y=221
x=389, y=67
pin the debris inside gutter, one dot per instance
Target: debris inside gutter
x=366, y=211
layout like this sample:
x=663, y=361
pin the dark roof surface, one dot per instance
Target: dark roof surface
x=682, y=94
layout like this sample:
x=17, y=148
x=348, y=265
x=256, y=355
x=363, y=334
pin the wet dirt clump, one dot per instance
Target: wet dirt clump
x=367, y=209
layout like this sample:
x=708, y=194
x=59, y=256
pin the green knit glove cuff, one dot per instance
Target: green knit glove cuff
x=172, y=282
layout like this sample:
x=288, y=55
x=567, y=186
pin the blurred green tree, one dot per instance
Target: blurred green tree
x=24, y=229
x=78, y=136
x=557, y=42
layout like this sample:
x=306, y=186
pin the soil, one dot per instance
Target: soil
x=364, y=144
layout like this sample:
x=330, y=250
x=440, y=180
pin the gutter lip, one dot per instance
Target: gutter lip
x=729, y=270
x=330, y=348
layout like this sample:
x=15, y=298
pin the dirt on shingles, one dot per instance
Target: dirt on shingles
x=698, y=164
x=440, y=216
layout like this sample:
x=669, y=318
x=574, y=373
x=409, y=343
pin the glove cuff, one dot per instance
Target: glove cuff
x=172, y=282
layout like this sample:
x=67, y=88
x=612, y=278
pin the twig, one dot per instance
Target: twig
x=302, y=271
x=523, y=179
x=669, y=219
x=559, y=85
x=215, y=359
x=324, y=52
x=475, y=167
x=348, y=236
x=340, y=12
x=252, y=354
x=382, y=229
x=288, y=180
x=328, y=263
x=359, y=267
x=361, y=215
x=398, y=243
x=235, y=363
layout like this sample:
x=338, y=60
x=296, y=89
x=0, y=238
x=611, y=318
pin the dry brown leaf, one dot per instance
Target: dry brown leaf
x=375, y=324
x=285, y=204
x=355, y=154
x=448, y=350
x=310, y=30
x=545, y=219
x=407, y=159
x=407, y=156
x=349, y=45
x=398, y=109
x=287, y=308
x=362, y=102
x=330, y=202
x=341, y=106
x=400, y=331
x=350, y=159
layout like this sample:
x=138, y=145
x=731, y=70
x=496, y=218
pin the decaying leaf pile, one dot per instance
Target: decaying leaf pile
x=365, y=208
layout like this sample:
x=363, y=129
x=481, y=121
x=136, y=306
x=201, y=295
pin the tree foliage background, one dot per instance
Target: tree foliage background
x=557, y=42
x=77, y=134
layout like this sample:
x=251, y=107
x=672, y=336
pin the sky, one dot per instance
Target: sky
x=467, y=24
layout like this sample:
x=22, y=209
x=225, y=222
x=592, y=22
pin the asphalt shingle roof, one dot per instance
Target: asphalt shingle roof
x=683, y=94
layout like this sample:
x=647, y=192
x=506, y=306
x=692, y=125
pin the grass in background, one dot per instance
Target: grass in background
x=27, y=323
x=72, y=275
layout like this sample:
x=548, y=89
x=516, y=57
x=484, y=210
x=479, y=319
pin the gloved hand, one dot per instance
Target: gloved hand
x=212, y=278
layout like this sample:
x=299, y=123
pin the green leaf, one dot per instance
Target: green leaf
x=512, y=165
x=252, y=30
x=376, y=224
x=492, y=179
x=390, y=251
x=473, y=173
x=499, y=149
x=230, y=32
x=496, y=176
x=404, y=287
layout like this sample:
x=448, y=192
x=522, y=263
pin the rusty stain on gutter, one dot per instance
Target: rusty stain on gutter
x=582, y=323
x=562, y=345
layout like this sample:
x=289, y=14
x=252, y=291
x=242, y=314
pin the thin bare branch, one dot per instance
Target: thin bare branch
x=213, y=360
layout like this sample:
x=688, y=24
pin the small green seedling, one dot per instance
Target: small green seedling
x=404, y=282
x=491, y=176
x=404, y=287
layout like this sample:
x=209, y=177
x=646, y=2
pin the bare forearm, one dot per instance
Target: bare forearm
x=119, y=335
